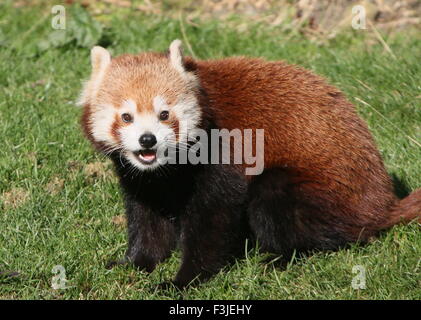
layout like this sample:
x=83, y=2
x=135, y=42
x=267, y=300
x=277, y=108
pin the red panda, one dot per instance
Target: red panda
x=323, y=186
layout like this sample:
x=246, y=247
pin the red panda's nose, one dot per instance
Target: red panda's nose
x=147, y=140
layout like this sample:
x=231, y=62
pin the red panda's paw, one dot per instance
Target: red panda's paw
x=113, y=263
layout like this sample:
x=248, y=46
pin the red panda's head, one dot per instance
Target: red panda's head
x=140, y=105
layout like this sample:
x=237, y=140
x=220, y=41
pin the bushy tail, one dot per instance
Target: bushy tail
x=406, y=210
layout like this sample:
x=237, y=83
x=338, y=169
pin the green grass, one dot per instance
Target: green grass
x=56, y=211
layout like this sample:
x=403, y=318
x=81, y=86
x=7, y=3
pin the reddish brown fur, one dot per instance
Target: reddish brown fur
x=324, y=184
x=140, y=87
x=86, y=122
x=173, y=121
x=118, y=123
x=313, y=133
x=408, y=208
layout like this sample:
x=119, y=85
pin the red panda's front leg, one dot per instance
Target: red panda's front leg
x=214, y=226
x=151, y=236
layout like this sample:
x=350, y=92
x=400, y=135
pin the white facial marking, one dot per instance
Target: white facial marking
x=185, y=110
x=102, y=121
x=144, y=122
x=188, y=114
x=159, y=104
x=129, y=106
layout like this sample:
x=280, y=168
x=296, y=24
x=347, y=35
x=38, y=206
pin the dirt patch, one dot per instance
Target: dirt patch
x=14, y=198
x=98, y=170
x=32, y=156
x=40, y=82
x=119, y=221
x=55, y=186
x=74, y=165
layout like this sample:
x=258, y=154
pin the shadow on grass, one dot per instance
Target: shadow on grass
x=401, y=188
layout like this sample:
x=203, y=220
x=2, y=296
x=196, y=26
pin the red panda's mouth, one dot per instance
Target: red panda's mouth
x=146, y=156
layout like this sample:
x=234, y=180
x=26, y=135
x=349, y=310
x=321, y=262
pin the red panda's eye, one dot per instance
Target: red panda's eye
x=164, y=115
x=126, y=117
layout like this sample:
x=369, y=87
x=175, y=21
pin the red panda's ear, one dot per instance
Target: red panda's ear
x=100, y=59
x=176, y=56
x=185, y=67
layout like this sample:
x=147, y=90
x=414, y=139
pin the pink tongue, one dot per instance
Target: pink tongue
x=148, y=156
